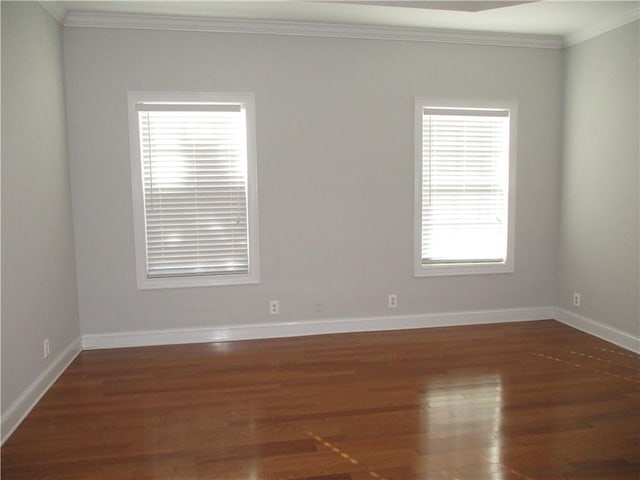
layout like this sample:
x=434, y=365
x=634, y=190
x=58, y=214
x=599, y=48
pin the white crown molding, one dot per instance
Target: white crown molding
x=195, y=24
x=54, y=8
x=597, y=329
x=604, y=26
x=311, y=327
x=20, y=408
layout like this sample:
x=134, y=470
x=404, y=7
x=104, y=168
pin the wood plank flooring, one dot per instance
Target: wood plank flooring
x=520, y=401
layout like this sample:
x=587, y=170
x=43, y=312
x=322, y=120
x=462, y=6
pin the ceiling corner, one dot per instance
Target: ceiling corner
x=55, y=8
x=603, y=26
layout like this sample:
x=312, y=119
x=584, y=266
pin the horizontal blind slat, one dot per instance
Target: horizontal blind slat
x=464, y=185
x=195, y=188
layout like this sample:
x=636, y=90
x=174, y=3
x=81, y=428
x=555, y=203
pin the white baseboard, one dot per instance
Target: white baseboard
x=16, y=413
x=597, y=329
x=311, y=327
x=19, y=409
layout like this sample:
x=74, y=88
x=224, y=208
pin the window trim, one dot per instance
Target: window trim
x=139, y=221
x=508, y=265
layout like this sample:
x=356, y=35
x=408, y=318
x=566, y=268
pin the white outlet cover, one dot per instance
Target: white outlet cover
x=274, y=307
x=393, y=300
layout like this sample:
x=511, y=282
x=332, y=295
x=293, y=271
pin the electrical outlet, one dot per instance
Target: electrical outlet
x=576, y=299
x=274, y=307
x=45, y=348
x=317, y=307
x=393, y=300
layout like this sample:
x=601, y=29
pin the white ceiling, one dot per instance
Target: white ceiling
x=564, y=18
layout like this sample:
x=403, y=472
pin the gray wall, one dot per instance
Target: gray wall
x=598, y=242
x=335, y=172
x=335, y=153
x=38, y=267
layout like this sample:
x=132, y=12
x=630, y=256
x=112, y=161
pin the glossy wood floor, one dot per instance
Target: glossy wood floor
x=522, y=401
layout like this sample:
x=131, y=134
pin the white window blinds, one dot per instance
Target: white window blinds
x=194, y=176
x=465, y=180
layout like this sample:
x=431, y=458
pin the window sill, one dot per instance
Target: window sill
x=467, y=269
x=197, y=281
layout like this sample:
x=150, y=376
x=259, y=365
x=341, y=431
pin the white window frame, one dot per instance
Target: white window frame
x=507, y=266
x=143, y=280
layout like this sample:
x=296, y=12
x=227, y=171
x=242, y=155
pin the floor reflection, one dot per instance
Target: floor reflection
x=462, y=416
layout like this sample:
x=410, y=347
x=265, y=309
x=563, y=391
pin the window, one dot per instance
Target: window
x=193, y=166
x=465, y=187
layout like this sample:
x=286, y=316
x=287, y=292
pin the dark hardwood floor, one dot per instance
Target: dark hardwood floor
x=519, y=401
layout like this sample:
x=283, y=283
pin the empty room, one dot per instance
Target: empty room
x=320, y=240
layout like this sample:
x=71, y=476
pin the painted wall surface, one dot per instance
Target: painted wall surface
x=39, y=298
x=335, y=143
x=598, y=246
